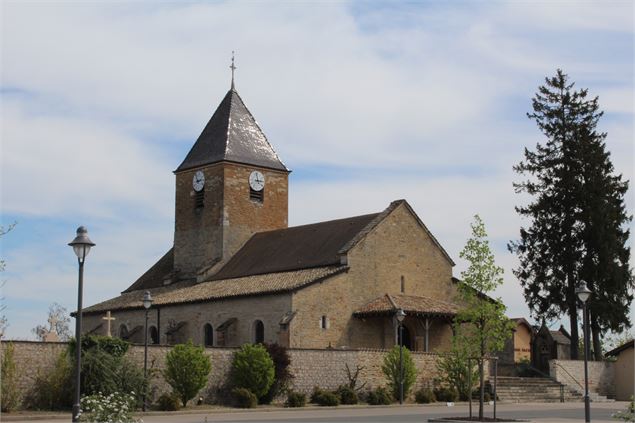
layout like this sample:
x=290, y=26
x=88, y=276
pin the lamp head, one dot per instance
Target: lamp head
x=400, y=315
x=583, y=292
x=147, y=300
x=81, y=244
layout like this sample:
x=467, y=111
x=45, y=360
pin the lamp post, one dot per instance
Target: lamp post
x=583, y=294
x=400, y=316
x=147, y=303
x=81, y=246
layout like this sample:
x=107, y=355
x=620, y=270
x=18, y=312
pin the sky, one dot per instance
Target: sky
x=366, y=102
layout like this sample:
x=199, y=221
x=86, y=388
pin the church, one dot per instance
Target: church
x=237, y=273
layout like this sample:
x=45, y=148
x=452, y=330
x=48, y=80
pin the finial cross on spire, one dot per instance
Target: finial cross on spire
x=233, y=68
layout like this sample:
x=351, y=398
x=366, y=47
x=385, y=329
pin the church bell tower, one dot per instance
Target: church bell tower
x=231, y=185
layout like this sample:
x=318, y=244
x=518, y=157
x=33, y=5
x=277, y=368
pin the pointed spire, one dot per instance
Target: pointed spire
x=233, y=68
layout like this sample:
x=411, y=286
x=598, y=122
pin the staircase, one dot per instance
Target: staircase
x=537, y=389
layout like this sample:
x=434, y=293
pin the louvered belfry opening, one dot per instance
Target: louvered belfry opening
x=257, y=195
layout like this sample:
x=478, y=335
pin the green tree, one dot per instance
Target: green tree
x=578, y=221
x=481, y=325
x=253, y=369
x=391, y=369
x=186, y=370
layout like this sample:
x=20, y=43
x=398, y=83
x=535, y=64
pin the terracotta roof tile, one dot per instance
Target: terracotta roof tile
x=411, y=304
x=187, y=292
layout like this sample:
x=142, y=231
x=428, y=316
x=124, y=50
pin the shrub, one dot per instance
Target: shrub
x=379, y=396
x=169, y=402
x=391, y=369
x=115, y=347
x=252, y=369
x=327, y=399
x=186, y=370
x=445, y=394
x=347, y=395
x=282, y=375
x=424, y=396
x=487, y=397
x=295, y=399
x=317, y=391
x=53, y=390
x=107, y=408
x=627, y=415
x=9, y=394
x=244, y=398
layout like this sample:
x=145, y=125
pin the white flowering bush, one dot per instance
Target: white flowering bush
x=114, y=408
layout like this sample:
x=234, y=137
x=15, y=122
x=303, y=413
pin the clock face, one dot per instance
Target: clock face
x=256, y=181
x=198, y=181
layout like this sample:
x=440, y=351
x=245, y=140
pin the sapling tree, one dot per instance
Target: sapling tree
x=481, y=325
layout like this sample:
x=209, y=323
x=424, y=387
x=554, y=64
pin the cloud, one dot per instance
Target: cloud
x=366, y=102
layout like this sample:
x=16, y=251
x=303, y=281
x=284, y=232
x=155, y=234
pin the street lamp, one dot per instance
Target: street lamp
x=81, y=246
x=400, y=316
x=583, y=294
x=147, y=303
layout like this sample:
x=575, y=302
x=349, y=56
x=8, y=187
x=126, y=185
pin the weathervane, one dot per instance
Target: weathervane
x=233, y=68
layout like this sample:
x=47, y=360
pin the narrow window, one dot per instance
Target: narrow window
x=324, y=322
x=199, y=199
x=257, y=195
x=153, y=333
x=403, y=284
x=209, y=335
x=259, y=332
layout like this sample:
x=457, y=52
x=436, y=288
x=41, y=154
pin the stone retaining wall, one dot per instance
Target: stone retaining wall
x=571, y=373
x=311, y=367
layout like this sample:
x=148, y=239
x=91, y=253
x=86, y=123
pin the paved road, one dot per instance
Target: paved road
x=572, y=412
x=537, y=412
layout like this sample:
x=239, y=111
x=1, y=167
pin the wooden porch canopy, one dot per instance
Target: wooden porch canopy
x=387, y=305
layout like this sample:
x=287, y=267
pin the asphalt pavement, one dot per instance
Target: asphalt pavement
x=535, y=412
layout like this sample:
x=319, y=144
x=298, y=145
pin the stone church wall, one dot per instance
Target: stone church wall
x=267, y=308
x=311, y=367
x=398, y=247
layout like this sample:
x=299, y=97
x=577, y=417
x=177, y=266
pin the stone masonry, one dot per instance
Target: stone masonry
x=377, y=264
x=310, y=367
x=571, y=373
x=205, y=237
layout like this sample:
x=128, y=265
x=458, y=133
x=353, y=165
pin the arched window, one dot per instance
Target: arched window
x=123, y=331
x=153, y=333
x=208, y=333
x=259, y=332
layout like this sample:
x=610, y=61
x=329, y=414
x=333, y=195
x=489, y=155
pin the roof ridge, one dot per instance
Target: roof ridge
x=369, y=227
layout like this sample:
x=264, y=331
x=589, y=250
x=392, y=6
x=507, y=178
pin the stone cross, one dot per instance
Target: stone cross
x=108, y=318
x=53, y=322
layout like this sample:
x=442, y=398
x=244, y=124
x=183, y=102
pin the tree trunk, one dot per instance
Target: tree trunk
x=482, y=381
x=573, y=317
x=597, y=346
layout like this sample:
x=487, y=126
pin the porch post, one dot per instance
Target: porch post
x=426, y=326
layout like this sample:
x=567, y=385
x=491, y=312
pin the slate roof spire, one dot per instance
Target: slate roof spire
x=232, y=134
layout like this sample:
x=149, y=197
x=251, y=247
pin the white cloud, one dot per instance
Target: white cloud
x=423, y=100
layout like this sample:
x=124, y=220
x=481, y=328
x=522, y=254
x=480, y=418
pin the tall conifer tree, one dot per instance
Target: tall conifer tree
x=577, y=218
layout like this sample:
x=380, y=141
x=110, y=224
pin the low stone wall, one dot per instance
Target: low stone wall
x=310, y=367
x=571, y=373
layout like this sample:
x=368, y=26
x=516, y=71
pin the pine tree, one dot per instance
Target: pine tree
x=577, y=217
